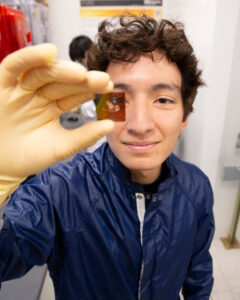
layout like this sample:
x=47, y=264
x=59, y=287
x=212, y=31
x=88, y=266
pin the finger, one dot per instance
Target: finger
x=24, y=59
x=67, y=72
x=95, y=82
x=69, y=142
x=71, y=102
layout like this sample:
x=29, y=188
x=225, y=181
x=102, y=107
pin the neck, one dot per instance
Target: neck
x=145, y=176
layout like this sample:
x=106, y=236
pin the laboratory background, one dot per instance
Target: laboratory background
x=212, y=138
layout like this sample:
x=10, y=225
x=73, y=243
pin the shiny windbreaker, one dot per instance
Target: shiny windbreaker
x=88, y=222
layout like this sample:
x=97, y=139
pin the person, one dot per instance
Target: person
x=79, y=48
x=130, y=220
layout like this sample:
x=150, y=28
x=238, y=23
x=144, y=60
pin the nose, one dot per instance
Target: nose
x=139, y=118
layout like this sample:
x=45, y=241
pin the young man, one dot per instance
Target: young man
x=131, y=220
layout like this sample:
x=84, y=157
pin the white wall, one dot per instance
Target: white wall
x=226, y=192
x=212, y=27
x=67, y=24
x=199, y=20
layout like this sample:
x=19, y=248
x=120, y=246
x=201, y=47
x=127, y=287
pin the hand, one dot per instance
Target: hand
x=34, y=90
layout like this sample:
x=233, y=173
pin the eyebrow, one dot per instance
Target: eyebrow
x=155, y=87
x=122, y=86
x=166, y=86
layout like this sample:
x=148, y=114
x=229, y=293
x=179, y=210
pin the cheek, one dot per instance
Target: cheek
x=170, y=125
x=114, y=136
x=110, y=138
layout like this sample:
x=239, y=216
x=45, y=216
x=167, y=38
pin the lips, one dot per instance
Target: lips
x=140, y=146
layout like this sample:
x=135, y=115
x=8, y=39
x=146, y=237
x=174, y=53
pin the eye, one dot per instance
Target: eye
x=116, y=100
x=164, y=100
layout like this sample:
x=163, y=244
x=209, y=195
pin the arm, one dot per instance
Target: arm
x=35, y=90
x=199, y=280
x=28, y=235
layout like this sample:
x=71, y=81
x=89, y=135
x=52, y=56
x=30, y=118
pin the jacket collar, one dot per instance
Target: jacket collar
x=123, y=175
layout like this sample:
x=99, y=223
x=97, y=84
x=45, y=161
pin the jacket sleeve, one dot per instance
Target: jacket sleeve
x=27, y=236
x=199, y=280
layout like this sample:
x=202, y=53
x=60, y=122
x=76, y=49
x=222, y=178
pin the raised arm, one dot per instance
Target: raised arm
x=34, y=90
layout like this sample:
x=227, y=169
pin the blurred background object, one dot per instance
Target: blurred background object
x=23, y=23
x=14, y=30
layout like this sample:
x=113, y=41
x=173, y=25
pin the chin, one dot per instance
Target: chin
x=140, y=164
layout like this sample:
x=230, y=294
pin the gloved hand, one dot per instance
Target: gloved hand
x=34, y=90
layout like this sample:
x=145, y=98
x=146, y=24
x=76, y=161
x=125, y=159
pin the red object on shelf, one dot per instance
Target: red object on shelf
x=14, y=31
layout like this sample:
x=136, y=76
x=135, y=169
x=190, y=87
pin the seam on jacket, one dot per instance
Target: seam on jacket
x=91, y=202
x=90, y=209
x=186, y=194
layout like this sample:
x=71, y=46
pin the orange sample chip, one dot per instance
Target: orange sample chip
x=111, y=106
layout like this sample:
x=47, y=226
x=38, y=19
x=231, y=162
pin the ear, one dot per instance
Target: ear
x=183, y=125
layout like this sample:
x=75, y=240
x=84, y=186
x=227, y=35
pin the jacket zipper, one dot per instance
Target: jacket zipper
x=140, y=199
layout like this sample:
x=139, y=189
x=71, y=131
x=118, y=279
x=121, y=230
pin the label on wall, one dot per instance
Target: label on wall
x=111, y=8
x=120, y=2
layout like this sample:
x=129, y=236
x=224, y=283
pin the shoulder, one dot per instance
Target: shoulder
x=193, y=182
x=79, y=170
x=188, y=170
x=82, y=164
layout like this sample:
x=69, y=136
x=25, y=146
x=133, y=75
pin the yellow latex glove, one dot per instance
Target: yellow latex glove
x=34, y=90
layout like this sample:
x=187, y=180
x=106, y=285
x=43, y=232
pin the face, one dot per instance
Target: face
x=154, y=114
x=84, y=60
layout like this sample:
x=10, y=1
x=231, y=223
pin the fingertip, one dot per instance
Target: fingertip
x=101, y=127
x=97, y=77
x=108, y=88
x=107, y=124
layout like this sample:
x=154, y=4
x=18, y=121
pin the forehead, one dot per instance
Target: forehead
x=151, y=68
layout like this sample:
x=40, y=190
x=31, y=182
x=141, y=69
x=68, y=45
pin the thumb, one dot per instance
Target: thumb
x=72, y=141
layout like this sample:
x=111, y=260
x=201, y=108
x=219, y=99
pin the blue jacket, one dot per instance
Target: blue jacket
x=88, y=222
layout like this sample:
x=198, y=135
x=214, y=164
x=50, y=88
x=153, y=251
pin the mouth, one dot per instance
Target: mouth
x=140, y=146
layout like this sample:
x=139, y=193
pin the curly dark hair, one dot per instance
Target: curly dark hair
x=126, y=38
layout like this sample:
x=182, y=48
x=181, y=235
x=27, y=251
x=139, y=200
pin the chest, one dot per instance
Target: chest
x=120, y=225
